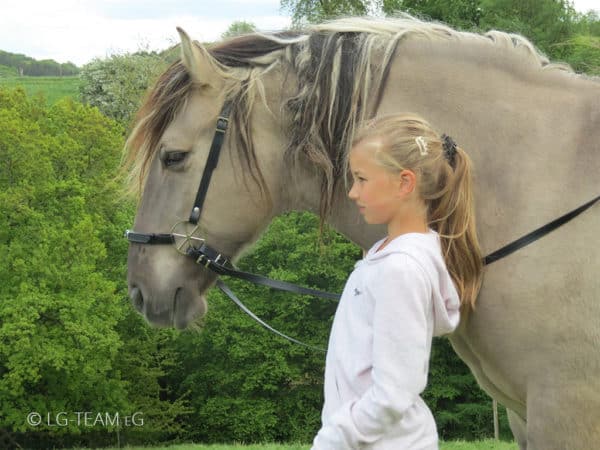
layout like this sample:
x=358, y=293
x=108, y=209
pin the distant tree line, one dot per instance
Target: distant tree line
x=27, y=66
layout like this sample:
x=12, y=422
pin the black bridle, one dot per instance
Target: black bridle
x=187, y=243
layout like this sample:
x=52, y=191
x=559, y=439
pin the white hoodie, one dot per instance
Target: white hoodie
x=393, y=303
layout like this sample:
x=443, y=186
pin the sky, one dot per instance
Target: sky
x=81, y=30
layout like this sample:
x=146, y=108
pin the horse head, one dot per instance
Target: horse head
x=169, y=147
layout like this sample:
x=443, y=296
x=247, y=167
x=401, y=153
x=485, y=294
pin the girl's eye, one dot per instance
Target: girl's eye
x=173, y=158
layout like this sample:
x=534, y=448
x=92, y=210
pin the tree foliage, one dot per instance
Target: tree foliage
x=462, y=14
x=582, y=52
x=314, y=11
x=57, y=312
x=62, y=309
x=115, y=85
x=238, y=27
x=544, y=22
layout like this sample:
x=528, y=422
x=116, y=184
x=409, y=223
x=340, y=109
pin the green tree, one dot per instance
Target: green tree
x=66, y=333
x=314, y=11
x=544, y=22
x=589, y=24
x=57, y=313
x=581, y=52
x=115, y=85
x=24, y=65
x=238, y=27
x=462, y=14
x=6, y=71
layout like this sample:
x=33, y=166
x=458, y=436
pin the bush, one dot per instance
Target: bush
x=116, y=85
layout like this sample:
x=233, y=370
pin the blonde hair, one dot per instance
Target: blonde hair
x=444, y=181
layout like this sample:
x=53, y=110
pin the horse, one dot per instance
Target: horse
x=294, y=100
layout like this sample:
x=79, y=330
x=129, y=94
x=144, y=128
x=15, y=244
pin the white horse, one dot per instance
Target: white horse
x=532, y=130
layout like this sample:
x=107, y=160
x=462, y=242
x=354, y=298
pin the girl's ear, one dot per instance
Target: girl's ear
x=407, y=181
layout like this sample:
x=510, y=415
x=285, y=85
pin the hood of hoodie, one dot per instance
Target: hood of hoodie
x=426, y=249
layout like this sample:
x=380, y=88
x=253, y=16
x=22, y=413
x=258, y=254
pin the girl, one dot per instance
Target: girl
x=406, y=290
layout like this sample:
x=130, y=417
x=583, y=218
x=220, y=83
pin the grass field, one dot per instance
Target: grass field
x=454, y=445
x=53, y=88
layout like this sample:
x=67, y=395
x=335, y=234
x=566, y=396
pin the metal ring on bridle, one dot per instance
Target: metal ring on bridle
x=183, y=241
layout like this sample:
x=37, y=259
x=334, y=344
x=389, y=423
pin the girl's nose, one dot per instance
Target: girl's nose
x=352, y=193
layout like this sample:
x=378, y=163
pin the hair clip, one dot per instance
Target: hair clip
x=449, y=149
x=422, y=144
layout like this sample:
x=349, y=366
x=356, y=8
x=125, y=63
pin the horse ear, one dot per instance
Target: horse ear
x=201, y=66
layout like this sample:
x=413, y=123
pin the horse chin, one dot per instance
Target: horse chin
x=188, y=308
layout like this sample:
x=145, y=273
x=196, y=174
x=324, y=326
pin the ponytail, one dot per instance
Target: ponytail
x=452, y=216
x=446, y=185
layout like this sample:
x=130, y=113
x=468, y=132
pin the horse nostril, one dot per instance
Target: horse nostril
x=135, y=294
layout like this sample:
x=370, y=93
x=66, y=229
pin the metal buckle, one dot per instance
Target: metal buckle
x=206, y=261
x=222, y=123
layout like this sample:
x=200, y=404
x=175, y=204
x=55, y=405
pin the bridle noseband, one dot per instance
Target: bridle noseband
x=191, y=245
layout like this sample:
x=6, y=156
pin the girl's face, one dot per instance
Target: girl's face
x=375, y=189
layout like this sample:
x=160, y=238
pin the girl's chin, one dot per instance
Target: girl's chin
x=370, y=220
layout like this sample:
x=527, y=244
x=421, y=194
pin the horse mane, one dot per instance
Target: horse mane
x=341, y=67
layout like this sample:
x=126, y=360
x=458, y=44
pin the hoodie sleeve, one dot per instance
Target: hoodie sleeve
x=402, y=294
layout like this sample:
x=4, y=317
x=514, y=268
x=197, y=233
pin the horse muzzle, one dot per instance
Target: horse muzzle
x=165, y=288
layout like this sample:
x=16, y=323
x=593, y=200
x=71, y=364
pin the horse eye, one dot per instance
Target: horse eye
x=172, y=158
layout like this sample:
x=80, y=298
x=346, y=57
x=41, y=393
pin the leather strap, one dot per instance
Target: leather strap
x=536, y=234
x=211, y=259
x=151, y=238
x=211, y=162
x=244, y=308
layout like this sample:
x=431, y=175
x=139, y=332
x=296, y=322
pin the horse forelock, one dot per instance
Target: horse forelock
x=158, y=110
